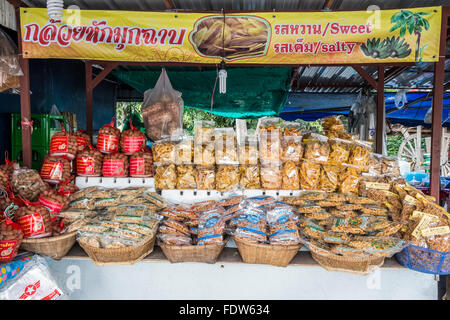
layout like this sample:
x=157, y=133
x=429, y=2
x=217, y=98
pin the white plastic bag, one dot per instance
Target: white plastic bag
x=56, y=112
x=162, y=110
x=34, y=283
x=9, y=63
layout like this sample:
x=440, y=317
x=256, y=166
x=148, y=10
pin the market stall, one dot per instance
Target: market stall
x=281, y=196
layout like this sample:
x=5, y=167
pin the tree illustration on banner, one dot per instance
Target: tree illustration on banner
x=413, y=22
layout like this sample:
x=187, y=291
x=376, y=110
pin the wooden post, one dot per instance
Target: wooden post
x=89, y=89
x=436, y=117
x=380, y=111
x=25, y=103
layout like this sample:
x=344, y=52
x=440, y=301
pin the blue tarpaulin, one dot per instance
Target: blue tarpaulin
x=313, y=106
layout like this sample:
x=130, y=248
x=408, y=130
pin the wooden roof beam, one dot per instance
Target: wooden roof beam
x=366, y=76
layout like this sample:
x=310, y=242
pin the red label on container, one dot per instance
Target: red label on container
x=81, y=142
x=85, y=165
x=32, y=224
x=53, y=207
x=7, y=249
x=133, y=144
x=107, y=143
x=58, y=144
x=137, y=166
x=52, y=170
x=113, y=168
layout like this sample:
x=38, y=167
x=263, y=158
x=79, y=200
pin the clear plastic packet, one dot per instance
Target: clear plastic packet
x=155, y=199
x=374, y=165
x=291, y=128
x=231, y=201
x=280, y=213
x=76, y=214
x=312, y=195
x=83, y=203
x=349, y=181
x=204, y=155
x=319, y=215
x=329, y=178
x=225, y=146
x=175, y=239
x=251, y=231
x=429, y=206
x=165, y=177
x=437, y=235
x=205, y=178
x=186, y=177
x=336, y=238
x=164, y=152
x=203, y=206
x=290, y=176
x=339, y=197
x=309, y=175
x=284, y=234
x=34, y=282
x=309, y=207
x=339, y=151
x=317, y=246
x=269, y=148
x=178, y=214
x=333, y=124
x=311, y=230
x=249, y=177
x=360, y=155
x=390, y=166
x=184, y=151
x=83, y=193
x=374, y=210
x=162, y=109
x=204, y=132
x=177, y=225
x=271, y=178
x=248, y=151
x=291, y=148
x=209, y=239
x=353, y=225
x=317, y=148
x=27, y=183
x=409, y=205
x=380, y=246
x=101, y=203
x=227, y=178
x=269, y=125
x=342, y=213
x=258, y=201
x=391, y=230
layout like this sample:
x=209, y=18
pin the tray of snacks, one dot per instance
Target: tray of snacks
x=265, y=231
x=194, y=233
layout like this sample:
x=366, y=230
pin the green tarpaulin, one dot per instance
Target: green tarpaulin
x=251, y=92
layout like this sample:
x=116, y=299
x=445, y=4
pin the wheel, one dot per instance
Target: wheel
x=410, y=150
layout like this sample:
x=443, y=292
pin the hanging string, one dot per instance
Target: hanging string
x=214, y=90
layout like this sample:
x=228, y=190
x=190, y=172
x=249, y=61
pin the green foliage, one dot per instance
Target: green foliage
x=407, y=20
x=124, y=109
x=393, y=144
x=388, y=48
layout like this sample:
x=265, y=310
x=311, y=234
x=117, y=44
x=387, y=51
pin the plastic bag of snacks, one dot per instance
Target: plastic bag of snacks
x=55, y=169
x=132, y=140
x=227, y=178
x=317, y=148
x=115, y=165
x=63, y=144
x=34, y=282
x=390, y=166
x=360, y=155
x=164, y=152
x=309, y=175
x=225, y=146
x=339, y=151
x=34, y=220
x=269, y=148
x=248, y=150
x=333, y=125
x=141, y=164
x=291, y=148
x=204, y=132
x=186, y=177
x=205, y=178
x=53, y=201
x=27, y=183
x=374, y=165
x=184, y=150
x=162, y=110
x=269, y=125
x=89, y=162
x=204, y=155
x=108, y=138
x=6, y=171
x=83, y=139
x=11, y=236
x=291, y=129
x=329, y=178
x=349, y=181
x=249, y=177
x=271, y=177
x=290, y=176
x=165, y=177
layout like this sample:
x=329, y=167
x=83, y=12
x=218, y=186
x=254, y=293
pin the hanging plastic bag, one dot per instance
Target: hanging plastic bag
x=10, y=70
x=35, y=282
x=162, y=110
x=55, y=111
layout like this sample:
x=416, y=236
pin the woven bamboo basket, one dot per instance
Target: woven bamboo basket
x=119, y=256
x=205, y=253
x=54, y=247
x=275, y=255
x=356, y=265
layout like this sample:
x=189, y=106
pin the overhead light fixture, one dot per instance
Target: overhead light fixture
x=55, y=10
x=222, y=78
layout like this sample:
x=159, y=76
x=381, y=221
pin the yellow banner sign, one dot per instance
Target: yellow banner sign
x=379, y=36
